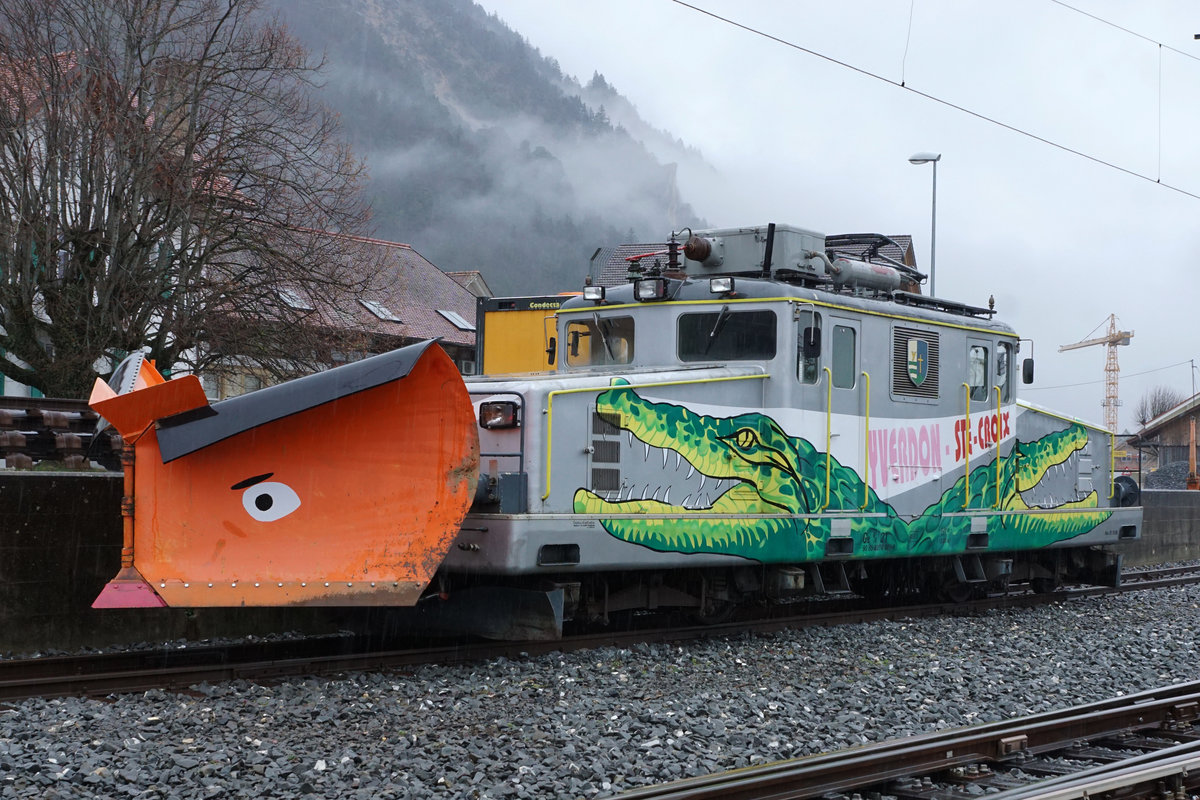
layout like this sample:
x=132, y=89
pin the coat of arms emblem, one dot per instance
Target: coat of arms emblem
x=918, y=361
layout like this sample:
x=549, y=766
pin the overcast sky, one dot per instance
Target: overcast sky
x=1061, y=241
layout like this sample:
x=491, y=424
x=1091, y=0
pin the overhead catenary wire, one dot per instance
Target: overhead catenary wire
x=907, y=40
x=1092, y=383
x=1157, y=181
x=1123, y=29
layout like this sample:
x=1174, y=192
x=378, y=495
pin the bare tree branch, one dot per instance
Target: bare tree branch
x=167, y=183
x=1156, y=402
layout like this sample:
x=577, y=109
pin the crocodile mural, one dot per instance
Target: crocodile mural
x=777, y=480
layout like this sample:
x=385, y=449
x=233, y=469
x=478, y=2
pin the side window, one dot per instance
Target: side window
x=1004, y=362
x=727, y=335
x=599, y=340
x=977, y=372
x=808, y=370
x=843, y=357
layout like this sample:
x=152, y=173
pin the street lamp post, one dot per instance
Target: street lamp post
x=930, y=158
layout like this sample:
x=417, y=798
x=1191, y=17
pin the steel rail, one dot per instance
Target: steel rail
x=1140, y=776
x=871, y=765
x=104, y=673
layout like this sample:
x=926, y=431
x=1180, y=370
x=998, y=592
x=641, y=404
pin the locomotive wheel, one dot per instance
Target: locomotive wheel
x=878, y=587
x=956, y=592
x=1043, y=585
x=715, y=613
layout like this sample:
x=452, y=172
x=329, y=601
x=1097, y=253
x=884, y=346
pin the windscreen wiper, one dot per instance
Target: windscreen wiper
x=600, y=326
x=717, y=327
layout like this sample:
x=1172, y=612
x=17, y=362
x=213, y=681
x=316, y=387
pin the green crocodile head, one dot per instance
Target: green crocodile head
x=1036, y=487
x=771, y=474
x=777, y=485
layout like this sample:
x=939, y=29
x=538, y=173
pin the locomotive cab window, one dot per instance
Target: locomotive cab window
x=977, y=372
x=727, y=336
x=599, y=340
x=1004, y=361
x=843, y=357
x=808, y=367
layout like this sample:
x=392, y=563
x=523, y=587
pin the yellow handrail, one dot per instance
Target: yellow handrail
x=1112, y=465
x=867, y=444
x=996, y=504
x=828, y=431
x=549, y=412
x=967, y=446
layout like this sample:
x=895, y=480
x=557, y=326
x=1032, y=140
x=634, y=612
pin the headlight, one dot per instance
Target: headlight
x=498, y=414
x=651, y=289
x=593, y=293
x=720, y=285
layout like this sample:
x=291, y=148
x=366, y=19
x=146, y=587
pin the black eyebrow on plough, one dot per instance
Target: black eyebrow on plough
x=251, y=481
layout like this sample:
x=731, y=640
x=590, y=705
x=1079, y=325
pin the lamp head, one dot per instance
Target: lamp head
x=924, y=158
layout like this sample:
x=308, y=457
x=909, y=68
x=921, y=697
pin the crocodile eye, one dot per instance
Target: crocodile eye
x=746, y=438
x=270, y=501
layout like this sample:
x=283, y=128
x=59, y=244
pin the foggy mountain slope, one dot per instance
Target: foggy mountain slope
x=481, y=153
x=599, y=93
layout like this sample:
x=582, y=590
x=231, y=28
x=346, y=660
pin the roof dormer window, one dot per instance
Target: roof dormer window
x=380, y=310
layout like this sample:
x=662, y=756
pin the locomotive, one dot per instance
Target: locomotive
x=758, y=415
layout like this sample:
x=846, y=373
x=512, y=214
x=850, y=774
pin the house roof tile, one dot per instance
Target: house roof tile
x=415, y=290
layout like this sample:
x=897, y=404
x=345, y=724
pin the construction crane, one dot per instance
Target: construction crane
x=1111, y=370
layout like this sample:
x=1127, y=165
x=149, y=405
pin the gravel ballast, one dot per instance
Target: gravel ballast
x=598, y=722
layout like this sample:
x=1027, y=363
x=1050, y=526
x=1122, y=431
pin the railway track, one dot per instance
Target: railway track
x=100, y=674
x=1142, y=745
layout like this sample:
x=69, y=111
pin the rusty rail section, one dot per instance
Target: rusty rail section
x=902, y=767
x=39, y=431
x=102, y=674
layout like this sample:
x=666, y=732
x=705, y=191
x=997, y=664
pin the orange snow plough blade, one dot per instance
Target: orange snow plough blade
x=341, y=488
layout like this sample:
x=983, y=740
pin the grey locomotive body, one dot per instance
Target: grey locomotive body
x=770, y=413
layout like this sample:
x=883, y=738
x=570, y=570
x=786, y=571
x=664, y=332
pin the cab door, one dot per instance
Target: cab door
x=848, y=425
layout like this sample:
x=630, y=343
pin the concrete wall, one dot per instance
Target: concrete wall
x=1170, y=529
x=60, y=541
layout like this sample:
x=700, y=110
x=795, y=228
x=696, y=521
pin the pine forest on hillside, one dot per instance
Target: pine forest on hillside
x=481, y=153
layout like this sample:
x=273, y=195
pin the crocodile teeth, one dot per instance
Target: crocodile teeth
x=631, y=438
x=647, y=456
x=667, y=496
x=703, y=478
x=691, y=471
x=687, y=501
x=678, y=460
x=664, y=452
x=655, y=495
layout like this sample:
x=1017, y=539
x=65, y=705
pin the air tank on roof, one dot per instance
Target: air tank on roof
x=848, y=272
